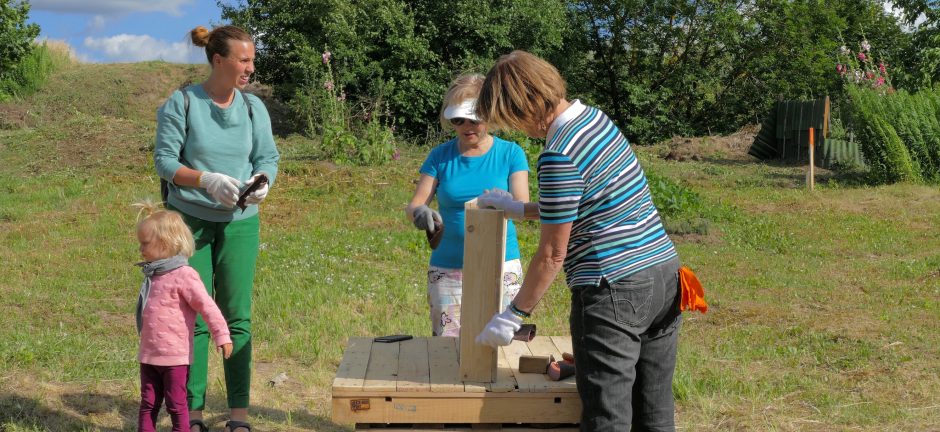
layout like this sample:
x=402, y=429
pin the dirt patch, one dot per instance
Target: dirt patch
x=731, y=147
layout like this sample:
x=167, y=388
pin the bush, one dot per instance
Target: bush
x=16, y=37
x=358, y=138
x=899, y=133
x=31, y=72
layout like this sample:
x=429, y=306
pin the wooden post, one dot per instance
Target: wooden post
x=811, y=174
x=483, y=254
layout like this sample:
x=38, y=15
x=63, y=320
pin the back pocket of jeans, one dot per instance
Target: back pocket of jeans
x=632, y=300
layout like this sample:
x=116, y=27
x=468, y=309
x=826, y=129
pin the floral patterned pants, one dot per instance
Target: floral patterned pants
x=445, y=288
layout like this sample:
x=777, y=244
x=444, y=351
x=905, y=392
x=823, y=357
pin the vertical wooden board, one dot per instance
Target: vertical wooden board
x=413, y=366
x=383, y=367
x=442, y=360
x=352, y=369
x=484, y=253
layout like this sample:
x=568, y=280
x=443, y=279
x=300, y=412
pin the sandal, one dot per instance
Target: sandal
x=231, y=425
x=197, y=422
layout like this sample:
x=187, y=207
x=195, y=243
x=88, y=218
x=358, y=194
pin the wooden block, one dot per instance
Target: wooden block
x=413, y=369
x=534, y=364
x=484, y=253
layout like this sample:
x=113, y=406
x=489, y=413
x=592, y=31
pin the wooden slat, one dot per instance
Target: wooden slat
x=526, y=382
x=352, y=370
x=442, y=360
x=563, y=343
x=505, y=382
x=484, y=253
x=383, y=368
x=544, y=346
x=413, y=369
x=557, y=408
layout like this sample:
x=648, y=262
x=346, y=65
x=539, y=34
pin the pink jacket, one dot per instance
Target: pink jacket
x=169, y=317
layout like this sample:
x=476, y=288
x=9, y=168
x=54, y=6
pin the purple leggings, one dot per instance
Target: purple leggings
x=156, y=384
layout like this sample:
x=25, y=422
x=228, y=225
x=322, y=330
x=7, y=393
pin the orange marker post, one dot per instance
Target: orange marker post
x=811, y=178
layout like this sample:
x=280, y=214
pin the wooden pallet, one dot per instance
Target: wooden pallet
x=416, y=382
x=418, y=427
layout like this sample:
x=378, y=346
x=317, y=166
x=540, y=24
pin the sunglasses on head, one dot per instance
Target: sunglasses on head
x=458, y=121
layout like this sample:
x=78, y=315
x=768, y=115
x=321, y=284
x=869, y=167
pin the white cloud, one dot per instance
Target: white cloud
x=134, y=48
x=96, y=24
x=171, y=7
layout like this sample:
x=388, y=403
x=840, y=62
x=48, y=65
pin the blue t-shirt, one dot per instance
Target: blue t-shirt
x=463, y=178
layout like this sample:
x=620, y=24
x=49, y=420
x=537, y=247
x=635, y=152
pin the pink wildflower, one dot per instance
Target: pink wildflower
x=869, y=75
x=861, y=56
x=328, y=85
x=341, y=97
x=326, y=57
x=840, y=69
x=865, y=45
x=396, y=155
x=882, y=68
x=880, y=82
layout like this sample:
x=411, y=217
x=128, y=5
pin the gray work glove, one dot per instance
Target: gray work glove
x=425, y=217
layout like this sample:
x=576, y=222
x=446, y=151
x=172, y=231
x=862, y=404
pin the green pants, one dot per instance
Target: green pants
x=225, y=259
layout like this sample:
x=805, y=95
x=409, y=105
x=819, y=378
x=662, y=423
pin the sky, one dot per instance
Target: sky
x=109, y=31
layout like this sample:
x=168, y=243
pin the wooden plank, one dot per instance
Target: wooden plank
x=542, y=345
x=484, y=253
x=352, y=369
x=505, y=382
x=413, y=368
x=442, y=360
x=558, y=408
x=525, y=382
x=382, y=374
x=419, y=427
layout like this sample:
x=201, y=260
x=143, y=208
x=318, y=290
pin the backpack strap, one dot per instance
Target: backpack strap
x=247, y=104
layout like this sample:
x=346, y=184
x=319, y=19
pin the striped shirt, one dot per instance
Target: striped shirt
x=589, y=175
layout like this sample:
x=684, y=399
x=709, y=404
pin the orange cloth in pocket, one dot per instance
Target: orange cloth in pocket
x=693, y=295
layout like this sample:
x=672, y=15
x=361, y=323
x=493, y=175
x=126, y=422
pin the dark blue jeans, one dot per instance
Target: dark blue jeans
x=625, y=336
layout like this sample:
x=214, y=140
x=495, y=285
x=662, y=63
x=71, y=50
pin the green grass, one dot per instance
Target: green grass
x=822, y=304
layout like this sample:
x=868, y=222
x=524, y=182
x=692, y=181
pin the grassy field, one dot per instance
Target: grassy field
x=823, y=304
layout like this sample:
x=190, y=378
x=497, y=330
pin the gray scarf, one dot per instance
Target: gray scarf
x=150, y=269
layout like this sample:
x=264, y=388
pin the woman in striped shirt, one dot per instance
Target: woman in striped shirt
x=598, y=222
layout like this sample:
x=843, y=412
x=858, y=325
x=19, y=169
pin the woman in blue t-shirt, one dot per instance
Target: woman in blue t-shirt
x=458, y=171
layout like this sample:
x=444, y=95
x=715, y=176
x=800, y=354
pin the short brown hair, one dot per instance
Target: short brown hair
x=216, y=41
x=520, y=90
x=466, y=86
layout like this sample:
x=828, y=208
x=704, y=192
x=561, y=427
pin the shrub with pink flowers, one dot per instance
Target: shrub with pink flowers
x=899, y=132
x=348, y=132
x=860, y=68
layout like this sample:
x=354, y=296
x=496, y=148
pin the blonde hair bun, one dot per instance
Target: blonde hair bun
x=200, y=36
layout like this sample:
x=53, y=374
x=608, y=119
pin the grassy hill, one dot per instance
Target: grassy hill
x=823, y=305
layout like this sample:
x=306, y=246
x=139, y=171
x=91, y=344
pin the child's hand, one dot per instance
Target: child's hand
x=226, y=350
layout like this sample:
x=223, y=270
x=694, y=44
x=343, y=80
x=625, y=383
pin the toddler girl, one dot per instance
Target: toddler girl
x=170, y=297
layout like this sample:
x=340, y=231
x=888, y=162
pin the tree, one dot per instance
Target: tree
x=401, y=53
x=16, y=37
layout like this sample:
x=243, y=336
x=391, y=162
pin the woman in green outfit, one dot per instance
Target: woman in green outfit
x=213, y=142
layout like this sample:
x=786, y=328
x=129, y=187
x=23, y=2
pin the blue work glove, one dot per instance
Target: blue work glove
x=500, y=330
x=502, y=200
x=425, y=217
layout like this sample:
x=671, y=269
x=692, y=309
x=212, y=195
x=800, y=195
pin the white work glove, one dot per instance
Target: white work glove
x=258, y=195
x=502, y=200
x=424, y=218
x=221, y=187
x=500, y=330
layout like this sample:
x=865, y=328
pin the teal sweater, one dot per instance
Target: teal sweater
x=221, y=140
